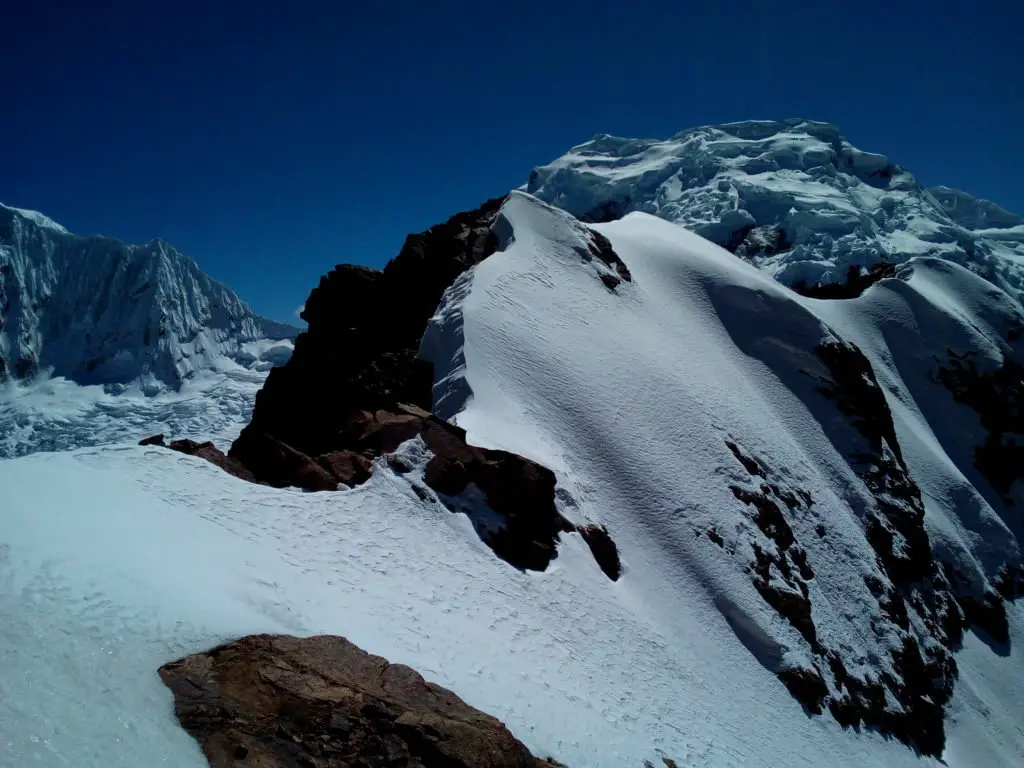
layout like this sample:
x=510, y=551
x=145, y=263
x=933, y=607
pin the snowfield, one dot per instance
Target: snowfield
x=117, y=559
x=56, y=414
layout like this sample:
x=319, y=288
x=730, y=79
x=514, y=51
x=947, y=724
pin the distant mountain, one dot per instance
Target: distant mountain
x=97, y=311
x=792, y=197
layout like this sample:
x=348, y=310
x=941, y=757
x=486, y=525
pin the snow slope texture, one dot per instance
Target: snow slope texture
x=685, y=408
x=629, y=391
x=97, y=311
x=793, y=196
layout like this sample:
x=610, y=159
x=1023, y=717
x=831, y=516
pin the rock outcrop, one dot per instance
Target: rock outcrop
x=355, y=389
x=206, y=450
x=277, y=701
x=359, y=353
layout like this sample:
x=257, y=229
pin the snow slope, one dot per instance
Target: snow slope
x=629, y=394
x=97, y=311
x=793, y=196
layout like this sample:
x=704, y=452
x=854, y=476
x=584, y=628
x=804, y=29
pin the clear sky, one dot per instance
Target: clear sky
x=272, y=140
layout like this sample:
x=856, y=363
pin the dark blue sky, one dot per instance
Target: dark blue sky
x=273, y=140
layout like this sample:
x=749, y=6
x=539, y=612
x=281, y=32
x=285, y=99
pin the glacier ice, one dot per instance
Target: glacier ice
x=832, y=205
x=97, y=311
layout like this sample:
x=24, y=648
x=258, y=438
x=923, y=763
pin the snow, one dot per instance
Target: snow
x=115, y=559
x=38, y=219
x=55, y=414
x=96, y=311
x=838, y=206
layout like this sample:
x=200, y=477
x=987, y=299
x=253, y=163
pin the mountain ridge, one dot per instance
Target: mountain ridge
x=98, y=311
x=823, y=204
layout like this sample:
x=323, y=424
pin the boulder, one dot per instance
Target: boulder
x=278, y=464
x=211, y=453
x=347, y=467
x=277, y=701
x=153, y=440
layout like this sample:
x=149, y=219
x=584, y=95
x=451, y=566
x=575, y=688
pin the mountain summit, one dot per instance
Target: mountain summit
x=97, y=311
x=793, y=197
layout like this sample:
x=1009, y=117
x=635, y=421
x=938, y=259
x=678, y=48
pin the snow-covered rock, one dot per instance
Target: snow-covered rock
x=97, y=311
x=793, y=196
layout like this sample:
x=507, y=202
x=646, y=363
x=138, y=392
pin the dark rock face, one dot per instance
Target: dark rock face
x=276, y=463
x=923, y=604
x=520, y=491
x=153, y=440
x=347, y=467
x=998, y=398
x=605, y=552
x=857, y=281
x=359, y=352
x=778, y=553
x=282, y=702
x=612, y=210
x=602, y=249
x=922, y=684
x=207, y=451
x=751, y=242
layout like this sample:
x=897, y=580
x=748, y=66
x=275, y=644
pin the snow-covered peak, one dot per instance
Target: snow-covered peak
x=974, y=212
x=37, y=218
x=98, y=311
x=793, y=197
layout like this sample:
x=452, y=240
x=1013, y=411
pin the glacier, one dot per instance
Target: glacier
x=650, y=399
x=97, y=311
x=792, y=196
x=100, y=340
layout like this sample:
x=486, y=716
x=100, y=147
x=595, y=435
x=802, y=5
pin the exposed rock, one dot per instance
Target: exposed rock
x=280, y=465
x=918, y=582
x=276, y=701
x=607, y=211
x=807, y=687
x=602, y=249
x=751, y=242
x=997, y=396
x=153, y=440
x=347, y=467
x=520, y=491
x=858, y=280
x=354, y=389
x=605, y=552
x=212, y=454
x=359, y=352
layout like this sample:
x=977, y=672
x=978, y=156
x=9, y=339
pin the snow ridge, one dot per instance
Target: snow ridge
x=832, y=205
x=97, y=311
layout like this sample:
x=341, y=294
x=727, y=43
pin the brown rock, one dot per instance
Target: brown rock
x=383, y=431
x=280, y=465
x=520, y=491
x=276, y=701
x=347, y=467
x=153, y=440
x=212, y=454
